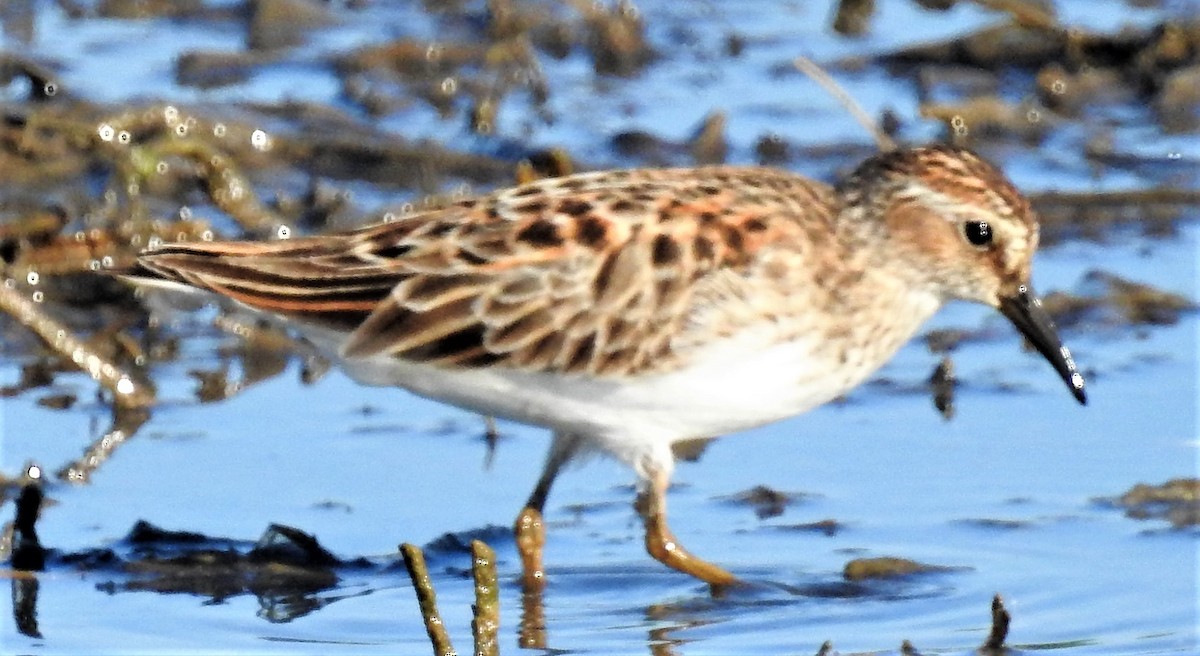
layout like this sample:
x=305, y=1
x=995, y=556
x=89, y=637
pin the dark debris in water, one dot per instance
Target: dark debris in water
x=767, y=502
x=1106, y=299
x=1176, y=501
x=888, y=567
x=287, y=569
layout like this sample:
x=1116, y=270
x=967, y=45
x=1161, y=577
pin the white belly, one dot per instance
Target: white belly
x=730, y=388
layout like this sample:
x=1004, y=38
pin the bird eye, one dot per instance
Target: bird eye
x=979, y=233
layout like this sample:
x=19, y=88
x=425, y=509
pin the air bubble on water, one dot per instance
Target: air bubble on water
x=49, y=88
x=1033, y=116
x=181, y=130
x=124, y=137
x=181, y=236
x=133, y=189
x=170, y=114
x=260, y=140
x=185, y=213
x=449, y=86
x=106, y=261
x=32, y=277
x=207, y=235
x=34, y=472
x=407, y=209
x=389, y=217
x=94, y=265
x=9, y=283
x=162, y=168
x=154, y=242
x=190, y=122
x=1059, y=86
x=283, y=232
x=219, y=130
x=433, y=52
x=106, y=132
x=38, y=296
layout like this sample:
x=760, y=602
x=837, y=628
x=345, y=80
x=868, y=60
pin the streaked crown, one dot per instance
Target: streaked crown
x=970, y=234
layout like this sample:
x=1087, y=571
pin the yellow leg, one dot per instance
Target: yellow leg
x=529, y=529
x=662, y=544
x=530, y=533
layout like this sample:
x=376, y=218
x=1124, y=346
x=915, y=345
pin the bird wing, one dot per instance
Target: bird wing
x=593, y=273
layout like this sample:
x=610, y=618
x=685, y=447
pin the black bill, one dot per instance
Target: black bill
x=1024, y=310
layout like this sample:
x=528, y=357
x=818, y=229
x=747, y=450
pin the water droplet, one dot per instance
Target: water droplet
x=181, y=130
x=260, y=140
x=283, y=232
x=185, y=213
x=50, y=89
x=433, y=52
x=32, y=277
x=154, y=242
x=407, y=209
x=170, y=114
x=1175, y=155
x=94, y=265
x=219, y=130
x=34, y=472
x=106, y=132
x=161, y=168
x=133, y=189
x=124, y=137
x=1059, y=86
x=1033, y=116
x=106, y=261
x=207, y=235
x=389, y=217
x=449, y=86
x=38, y=296
x=125, y=386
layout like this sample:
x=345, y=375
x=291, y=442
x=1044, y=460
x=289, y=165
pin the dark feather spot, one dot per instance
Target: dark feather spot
x=665, y=251
x=582, y=356
x=704, y=248
x=527, y=191
x=624, y=205
x=542, y=234
x=470, y=258
x=532, y=207
x=755, y=225
x=710, y=190
x=440, y=229
x=593, y=231
x=574, y=207
x=394, y=251
x=708, y=217
x=733, y=238
x=604, y=275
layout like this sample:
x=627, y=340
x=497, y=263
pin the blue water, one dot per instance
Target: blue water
x=1077, y=576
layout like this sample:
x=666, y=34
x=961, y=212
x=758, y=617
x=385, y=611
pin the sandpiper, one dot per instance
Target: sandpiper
x=630, y=310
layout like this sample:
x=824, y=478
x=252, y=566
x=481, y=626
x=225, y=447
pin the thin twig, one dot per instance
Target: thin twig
x=485, y=625
x=999, y=632
x=128, y=389
x=414, y=560
x=818, y=75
